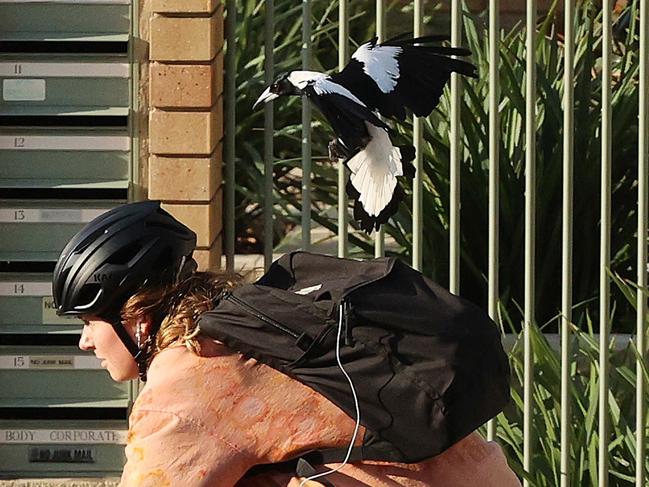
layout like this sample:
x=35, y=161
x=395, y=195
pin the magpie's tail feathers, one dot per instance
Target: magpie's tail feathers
x=373, y=181
x=368, y=222
x=407, y=156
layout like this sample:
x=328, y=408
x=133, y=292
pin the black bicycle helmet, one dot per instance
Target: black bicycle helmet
x=114, y=255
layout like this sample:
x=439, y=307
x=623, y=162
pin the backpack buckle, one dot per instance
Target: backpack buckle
x=304, y=342
x=348, y=320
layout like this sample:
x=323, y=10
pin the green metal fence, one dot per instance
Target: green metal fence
x=529, y=91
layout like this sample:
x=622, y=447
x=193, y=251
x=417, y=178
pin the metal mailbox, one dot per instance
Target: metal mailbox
x=66, y=98
x=63, y=19
x=27, y=306
x=63, y=86
x=69, y=159
x=37, y=230
x=62, y=447
x=57, y=376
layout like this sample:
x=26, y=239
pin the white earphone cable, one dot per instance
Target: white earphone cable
x=356, y=405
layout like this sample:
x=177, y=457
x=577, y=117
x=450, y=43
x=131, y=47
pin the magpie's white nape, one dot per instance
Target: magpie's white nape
x=390, y=79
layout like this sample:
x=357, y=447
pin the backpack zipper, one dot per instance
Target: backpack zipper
x=257, y=314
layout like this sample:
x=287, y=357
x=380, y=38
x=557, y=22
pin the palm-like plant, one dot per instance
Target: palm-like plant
x=474, y=167
x=549, y=120
x=474, y=175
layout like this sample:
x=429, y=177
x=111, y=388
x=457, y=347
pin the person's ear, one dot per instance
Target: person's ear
x=144, y=325
x=141, y=330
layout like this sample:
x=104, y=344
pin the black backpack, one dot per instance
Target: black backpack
x=428, y=367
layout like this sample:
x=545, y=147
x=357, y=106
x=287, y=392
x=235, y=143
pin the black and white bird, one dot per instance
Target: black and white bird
x=387, y=79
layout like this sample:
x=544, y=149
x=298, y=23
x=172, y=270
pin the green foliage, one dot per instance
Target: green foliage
x=584, y=354
x=249, y=138
x=474, y=170
x=584, y=419
x=583, y=398
x=549, y=146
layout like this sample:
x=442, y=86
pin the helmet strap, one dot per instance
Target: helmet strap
x=125, y=337
x=143, y=354
x=139, y=351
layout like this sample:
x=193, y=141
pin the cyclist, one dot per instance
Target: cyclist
x=208, y=414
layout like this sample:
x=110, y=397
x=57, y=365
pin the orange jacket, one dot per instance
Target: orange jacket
x=205, y=420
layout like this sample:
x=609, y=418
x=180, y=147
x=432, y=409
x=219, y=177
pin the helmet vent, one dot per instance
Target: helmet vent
x=58, y=283
x=124, y=255
x=88, y=295
x=89, y=240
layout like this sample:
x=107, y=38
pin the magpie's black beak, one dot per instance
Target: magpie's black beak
x=265, y=97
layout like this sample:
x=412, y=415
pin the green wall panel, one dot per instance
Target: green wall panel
x=86, y=447
x=64, y=158
x=63, y=20
x=26, y=306
x=39, y=229
x=63, y=81
x=57, y=376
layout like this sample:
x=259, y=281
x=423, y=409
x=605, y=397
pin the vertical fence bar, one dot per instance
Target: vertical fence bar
x=379, y=235
x=379, y=242
x=643, y=216
x=343, y=58
x=455, y=149
x=230, y=128
x=567, y=237
x=269, y=31
x=418, y=182
x=306, y=129
x=494, y=172
x=530, y=227
x=605, y=244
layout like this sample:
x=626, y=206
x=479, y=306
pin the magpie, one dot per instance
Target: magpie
x=386, y=80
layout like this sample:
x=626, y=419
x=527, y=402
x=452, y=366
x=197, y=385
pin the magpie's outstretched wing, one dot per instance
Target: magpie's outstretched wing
x=345, y=112
x=402, y=73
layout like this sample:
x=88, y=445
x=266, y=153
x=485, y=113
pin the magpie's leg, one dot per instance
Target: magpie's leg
x=336, y=150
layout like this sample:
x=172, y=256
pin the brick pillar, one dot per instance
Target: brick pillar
x=186, y=117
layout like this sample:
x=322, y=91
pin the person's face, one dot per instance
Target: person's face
x=100, y=337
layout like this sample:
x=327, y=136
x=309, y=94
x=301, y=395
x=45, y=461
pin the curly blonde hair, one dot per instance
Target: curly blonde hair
x=177, y=307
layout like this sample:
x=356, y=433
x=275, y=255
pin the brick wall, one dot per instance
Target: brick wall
x=185, y=117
